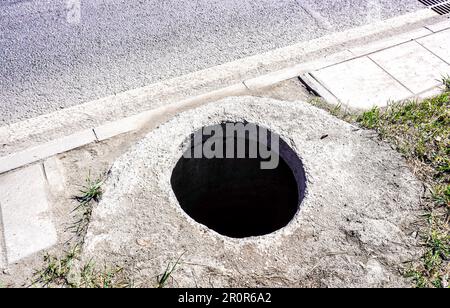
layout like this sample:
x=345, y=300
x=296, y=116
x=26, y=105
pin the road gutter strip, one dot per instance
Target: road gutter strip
x=103, y=131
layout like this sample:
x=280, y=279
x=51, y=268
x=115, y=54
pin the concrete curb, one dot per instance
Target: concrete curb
x=109, y=117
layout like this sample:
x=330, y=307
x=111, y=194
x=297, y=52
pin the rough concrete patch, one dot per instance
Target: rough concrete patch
x=353, y=228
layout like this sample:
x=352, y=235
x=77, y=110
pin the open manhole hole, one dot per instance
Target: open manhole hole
x=253, y=188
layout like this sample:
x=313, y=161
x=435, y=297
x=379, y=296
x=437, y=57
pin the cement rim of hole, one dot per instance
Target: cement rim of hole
x=353, y=229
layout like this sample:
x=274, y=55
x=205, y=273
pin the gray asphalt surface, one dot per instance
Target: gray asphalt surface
x=49, y=60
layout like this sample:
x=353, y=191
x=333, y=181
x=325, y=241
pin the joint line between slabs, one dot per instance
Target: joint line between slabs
x=404, y=86
x=420, y=44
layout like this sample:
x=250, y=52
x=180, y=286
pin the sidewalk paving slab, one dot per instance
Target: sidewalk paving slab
x=439, y=44
x=27, y=222
x=357, y=83
x=414, y=66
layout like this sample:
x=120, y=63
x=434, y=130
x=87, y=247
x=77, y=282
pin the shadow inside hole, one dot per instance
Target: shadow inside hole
x=234, y=196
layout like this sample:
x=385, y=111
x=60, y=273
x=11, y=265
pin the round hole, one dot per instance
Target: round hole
x=235, y=196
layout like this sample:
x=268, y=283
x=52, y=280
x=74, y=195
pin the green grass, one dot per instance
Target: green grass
x=92, y=277
x=163, y=279
x=370, y=119
x=91, y=191
x=446, y=83
x=57, y=270
x=421, y=131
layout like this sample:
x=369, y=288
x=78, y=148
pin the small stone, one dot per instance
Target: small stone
x=143, y=242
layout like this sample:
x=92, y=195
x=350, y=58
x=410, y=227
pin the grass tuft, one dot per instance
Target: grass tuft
x=446, y=83
x=107, y=278
x=163, y=279
x=370, y=119
x=57, y=271
x=91, y=191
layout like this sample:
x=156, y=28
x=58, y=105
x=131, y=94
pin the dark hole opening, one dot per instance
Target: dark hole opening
x=234, y=196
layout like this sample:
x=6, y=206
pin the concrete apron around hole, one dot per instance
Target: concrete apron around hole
x=339, y=211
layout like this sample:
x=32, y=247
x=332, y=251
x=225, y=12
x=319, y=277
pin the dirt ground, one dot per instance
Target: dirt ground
x=354, y=246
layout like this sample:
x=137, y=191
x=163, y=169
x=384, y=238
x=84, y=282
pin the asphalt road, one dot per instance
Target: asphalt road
x=51, y=57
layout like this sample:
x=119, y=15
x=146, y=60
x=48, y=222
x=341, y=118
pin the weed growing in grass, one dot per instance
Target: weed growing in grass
x=163, y=279
x=57, y=270
x=336, y=110
x=91, y=191
x=107, y=278
x=339, y=111
x=57, y=273
x=370, y=119
x=446, y=83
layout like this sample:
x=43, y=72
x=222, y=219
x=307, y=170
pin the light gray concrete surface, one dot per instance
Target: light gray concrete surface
x=411, y=66
x=27, y=222
x=414, y=66
x=361, y=84
x=354, y=226
x=438, y=44
x=45, y=150
x=49, y=61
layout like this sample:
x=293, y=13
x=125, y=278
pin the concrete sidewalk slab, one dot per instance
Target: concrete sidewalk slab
x=414, y=66
x=439, y=44
x=357, y=83
x=27, y=223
